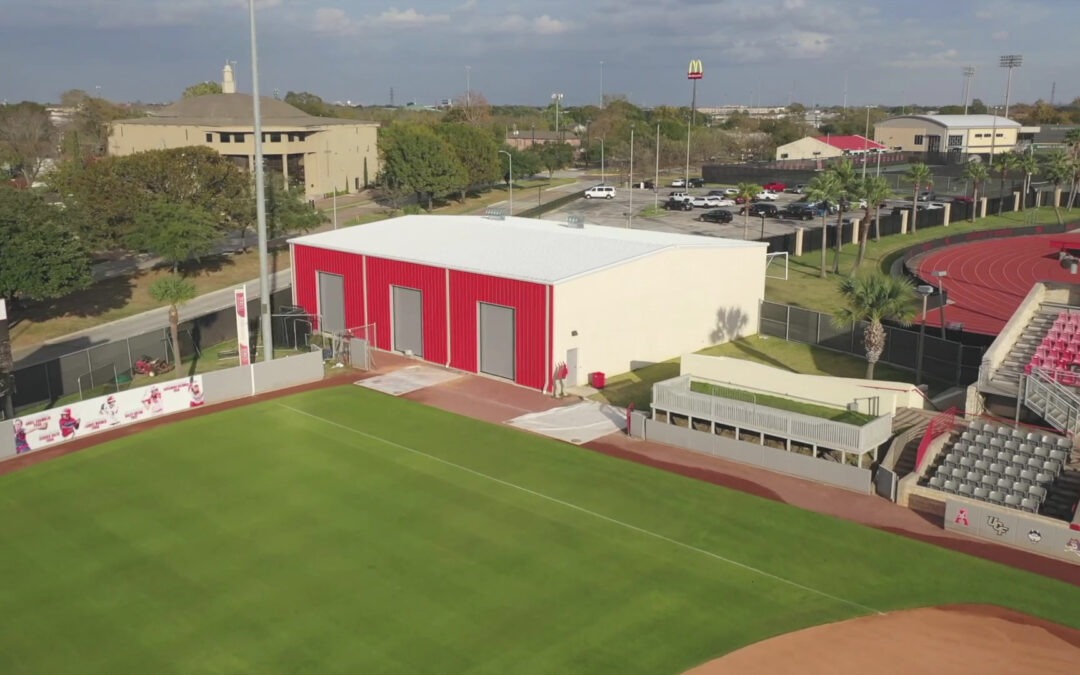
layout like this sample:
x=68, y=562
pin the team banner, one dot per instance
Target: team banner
x=243, y=338
x=48, y=428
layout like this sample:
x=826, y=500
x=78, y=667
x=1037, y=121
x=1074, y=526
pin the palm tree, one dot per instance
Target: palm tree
x=747, y=191
x=175, y=291
x=1006, y=162
x=825, y=190
x=1058, y=169
x=977, y=173
x=844, y=171
x=873, y=298
x=920, y=176
x=1029, y=166
x=872, y=191
x=1072, y=137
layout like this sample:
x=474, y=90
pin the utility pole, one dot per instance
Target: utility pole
x=260, y=199
x=969, y=76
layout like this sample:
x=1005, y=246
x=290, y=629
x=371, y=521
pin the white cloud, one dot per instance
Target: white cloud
x=408, y=17
x=333, y=21
x=545, y=25
x=805, y=44
x=1001, y=35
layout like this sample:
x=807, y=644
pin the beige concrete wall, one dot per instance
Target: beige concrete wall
x=334, y=155
x=901, y=134
x=982, y=141
x=834, y=391
x=658, y=307
x=807, y=148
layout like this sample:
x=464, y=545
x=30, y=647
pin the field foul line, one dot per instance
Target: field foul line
x=581, y=509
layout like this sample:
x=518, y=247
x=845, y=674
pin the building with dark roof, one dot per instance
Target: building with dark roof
x=959, y=135
x=319, y=153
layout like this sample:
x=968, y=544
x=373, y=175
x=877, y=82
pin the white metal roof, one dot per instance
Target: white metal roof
x=960, y=121
x=541, y=251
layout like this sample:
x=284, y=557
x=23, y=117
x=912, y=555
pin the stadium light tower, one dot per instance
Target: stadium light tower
x=969, y=77
x=1010, y=61
x=260, y=199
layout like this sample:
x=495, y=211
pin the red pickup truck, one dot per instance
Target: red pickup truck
x=774, y=187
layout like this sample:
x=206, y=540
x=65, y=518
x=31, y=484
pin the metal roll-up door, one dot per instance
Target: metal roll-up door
x=332, y=302
x=408, y=320
x=498, y=347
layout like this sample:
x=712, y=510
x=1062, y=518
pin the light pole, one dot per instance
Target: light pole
x=557, y=97
x=925, y=291
x=333, y=183
x=993, y=136
x=630, y=212
x=468, y=89
x=686, y=184
x=511, y=181
x=656, y=176
x=1010, y=61
x=969, y=76
x=941, y=274
x=866, y=142
x=260, y=198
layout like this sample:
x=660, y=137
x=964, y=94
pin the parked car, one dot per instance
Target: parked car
x=796, y=189
x=648, y=185
x=762, y=209
x=717, y=216
x=723, y=201
x=678, y=182
x=801, y=212
x=702, y=202
x=775, y=186
x=680, y=195
x=600, y=192
x=731, y=191
x=697, y=182
x=927, y=195
x=765, y=196
x=678, y=205
x=962, y=199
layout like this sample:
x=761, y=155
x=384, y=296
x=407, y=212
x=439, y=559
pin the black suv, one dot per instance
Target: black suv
x=767, y=209
x=797, y=212
x=678, y=205
x=696, y=183
x=717, y=216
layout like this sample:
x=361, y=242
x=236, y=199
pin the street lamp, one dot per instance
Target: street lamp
x=925, y=291
x=993, y=136
x=511, y=174
x=603, y=176
x=1010, y=61
x=260, y=198
x=656, y=176
x=601, y=85
x=941, y=274
x=630, y=213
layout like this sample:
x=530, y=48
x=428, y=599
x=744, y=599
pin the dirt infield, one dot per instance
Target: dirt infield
x=951, y=639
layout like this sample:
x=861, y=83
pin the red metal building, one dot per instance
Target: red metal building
x=478, y=294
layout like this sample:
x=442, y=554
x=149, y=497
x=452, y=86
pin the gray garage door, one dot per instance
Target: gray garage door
x=497, y=344
x=408, y=320
x=332, y=302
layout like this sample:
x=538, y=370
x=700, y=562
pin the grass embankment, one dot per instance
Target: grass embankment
x=781, y=403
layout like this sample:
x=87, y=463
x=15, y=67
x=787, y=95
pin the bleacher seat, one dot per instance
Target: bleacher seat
x=996, y=497
x=966, y=490
x=1029, y=505
x=1027, y=476
x=1013, y=500
x=937, y=482
x=1059, y=456
x=1037, y=493
x=950, y=486
x=996, y=470
x=982, y=494
x=1012, y=472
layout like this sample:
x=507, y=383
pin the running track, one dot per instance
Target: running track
x=987, y=280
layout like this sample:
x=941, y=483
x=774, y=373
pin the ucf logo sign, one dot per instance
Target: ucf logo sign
x=695, y=71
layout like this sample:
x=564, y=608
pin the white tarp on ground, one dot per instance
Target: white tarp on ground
x=579, y=423
x=408, y=379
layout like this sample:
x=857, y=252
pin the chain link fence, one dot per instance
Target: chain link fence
x=948, y=361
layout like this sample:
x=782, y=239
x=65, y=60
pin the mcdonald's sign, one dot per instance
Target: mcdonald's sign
x=695, y=70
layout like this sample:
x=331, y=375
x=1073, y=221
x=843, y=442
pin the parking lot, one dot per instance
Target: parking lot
x=616, y=213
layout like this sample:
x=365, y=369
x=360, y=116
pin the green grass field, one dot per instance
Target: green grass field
x=344, y=531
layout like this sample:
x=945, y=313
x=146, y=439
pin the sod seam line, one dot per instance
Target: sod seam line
x=582, y=509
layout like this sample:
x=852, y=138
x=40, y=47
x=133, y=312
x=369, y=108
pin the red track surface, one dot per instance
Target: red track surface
x=987, y=280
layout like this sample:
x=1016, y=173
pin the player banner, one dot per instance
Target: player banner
x=243, y=338
x=50, y=427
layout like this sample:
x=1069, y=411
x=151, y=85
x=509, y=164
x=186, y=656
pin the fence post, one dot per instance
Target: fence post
x=90, y=370
x=787, y=322
x=959, y=364
x=131, y=364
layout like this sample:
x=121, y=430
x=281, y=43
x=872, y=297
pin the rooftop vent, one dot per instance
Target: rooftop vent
x=494, y=213
x=576, y=221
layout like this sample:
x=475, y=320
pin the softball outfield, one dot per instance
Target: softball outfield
x=341, y=530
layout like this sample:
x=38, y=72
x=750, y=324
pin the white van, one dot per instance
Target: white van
x=600, y=192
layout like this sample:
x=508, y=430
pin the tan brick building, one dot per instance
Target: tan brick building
x=319, y=153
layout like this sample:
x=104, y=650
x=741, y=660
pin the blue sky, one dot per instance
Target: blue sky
x=754, y=51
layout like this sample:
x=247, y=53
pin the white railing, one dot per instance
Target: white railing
x=1053, y=401
x=675, y=396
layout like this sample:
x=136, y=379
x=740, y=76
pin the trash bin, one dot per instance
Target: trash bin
x=597, y=380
